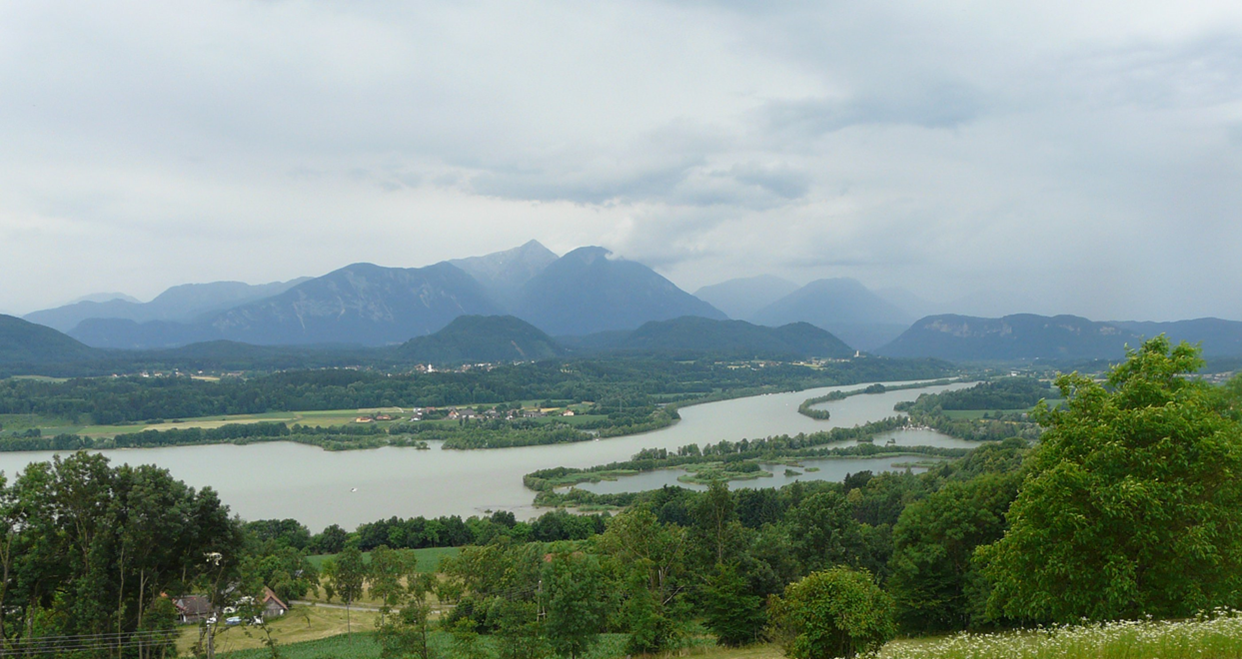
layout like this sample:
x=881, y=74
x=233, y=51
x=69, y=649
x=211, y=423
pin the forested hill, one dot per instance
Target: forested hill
x=691, y=335
x=1016, y=337
x=472, y=339
x=25, y=343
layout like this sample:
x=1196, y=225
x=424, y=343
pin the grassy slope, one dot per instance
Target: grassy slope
x=303, y=623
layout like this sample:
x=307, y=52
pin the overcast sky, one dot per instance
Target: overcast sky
x=1081, y=157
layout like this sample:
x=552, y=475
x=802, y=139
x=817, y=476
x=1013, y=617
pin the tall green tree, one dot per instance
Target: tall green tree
x=716, y=523
x=823, y=532
x=346, y=576
x=575, y=603
x=1133, y=505
x=407, y=633
x=389, y=573
x=731, y=610
x=933, y=579
x=648, y=563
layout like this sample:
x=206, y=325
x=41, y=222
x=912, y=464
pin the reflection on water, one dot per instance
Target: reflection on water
x=317, y=487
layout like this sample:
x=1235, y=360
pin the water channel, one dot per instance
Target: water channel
x=318, y=487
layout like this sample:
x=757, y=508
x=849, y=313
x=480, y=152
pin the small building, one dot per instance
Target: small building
x=272, y=605
x=192, y=609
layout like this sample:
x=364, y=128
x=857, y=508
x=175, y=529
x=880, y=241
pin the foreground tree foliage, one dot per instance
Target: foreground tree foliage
x=90, y=555
x=936, y=584
x=1133, y=504
x=833, y=613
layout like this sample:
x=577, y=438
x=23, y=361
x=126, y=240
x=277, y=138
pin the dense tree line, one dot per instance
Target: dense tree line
x=616, y=383
x=332, y=438
x=1009, y=393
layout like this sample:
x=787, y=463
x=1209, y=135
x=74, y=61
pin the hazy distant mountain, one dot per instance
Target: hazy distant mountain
x=359, y=304
x=741, y=298
x=1220, y=338
x=1019, y=336
x=503, y=274
x=105, y=297
x=473, y=339
x=178, y=304
x=24, y=342
x=585, y=291
x=842, y=306
x=130, y=335
x=691, y=335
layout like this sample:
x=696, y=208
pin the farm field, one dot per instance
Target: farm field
x=50, y=426
x=428, y=558
x=303, y=623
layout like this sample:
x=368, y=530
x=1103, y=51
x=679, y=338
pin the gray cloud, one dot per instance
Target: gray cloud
x=946, y=105
x=1085, y=155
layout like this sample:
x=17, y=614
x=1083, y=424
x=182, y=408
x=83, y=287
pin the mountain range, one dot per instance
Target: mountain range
x=26, y=347
x=592, y=301
x=584, y=291
x=178, y=304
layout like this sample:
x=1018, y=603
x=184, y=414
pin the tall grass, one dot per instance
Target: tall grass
x=1217, y=635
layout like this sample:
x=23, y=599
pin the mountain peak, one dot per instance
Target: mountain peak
x=502, y=274
x=589, y=254
x=841, y=305
x=585, y=291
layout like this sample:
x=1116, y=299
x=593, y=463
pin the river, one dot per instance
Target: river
x=317, y=487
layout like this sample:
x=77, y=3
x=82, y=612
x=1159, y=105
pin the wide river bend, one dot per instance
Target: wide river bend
x=317, y=487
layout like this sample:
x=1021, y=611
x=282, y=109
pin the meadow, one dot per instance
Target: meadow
x=1218, y=636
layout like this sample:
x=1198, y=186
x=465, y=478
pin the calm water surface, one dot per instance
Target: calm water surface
x=829, y=469
x=317, y=487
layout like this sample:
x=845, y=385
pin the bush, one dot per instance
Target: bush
x=833, y=613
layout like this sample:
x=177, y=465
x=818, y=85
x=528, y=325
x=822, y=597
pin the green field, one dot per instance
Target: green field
x=428, y=558
x=51, y=426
